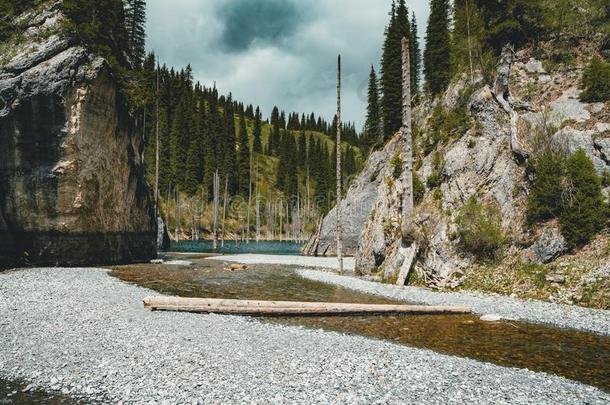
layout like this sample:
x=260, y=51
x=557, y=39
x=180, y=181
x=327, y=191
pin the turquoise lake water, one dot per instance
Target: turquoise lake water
x=274, y=247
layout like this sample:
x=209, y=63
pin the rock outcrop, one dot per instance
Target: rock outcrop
x=355, y=208
x=72, y=186
x=486, y=162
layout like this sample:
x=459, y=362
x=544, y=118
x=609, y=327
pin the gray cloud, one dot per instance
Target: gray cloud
x=261, y=22
x=277, y=52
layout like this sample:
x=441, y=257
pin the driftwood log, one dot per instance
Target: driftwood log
x=283, y=308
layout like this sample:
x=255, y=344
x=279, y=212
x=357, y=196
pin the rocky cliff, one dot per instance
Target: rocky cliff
x=485, y=160
x=72, y=188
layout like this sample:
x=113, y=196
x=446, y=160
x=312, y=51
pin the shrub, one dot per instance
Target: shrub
x=479, y=229
x=418, y=189
x=444, y=125
x=434, y=180
x=545, y=198
x=397, y=164
x=583, y=213
x=596, y=81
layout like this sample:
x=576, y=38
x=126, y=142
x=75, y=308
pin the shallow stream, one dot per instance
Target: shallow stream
x=576, y=355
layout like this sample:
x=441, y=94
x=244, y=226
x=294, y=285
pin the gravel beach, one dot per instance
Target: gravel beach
x=86, y=334
x=565, y=316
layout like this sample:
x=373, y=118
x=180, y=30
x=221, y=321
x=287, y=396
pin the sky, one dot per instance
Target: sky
x=277, y=52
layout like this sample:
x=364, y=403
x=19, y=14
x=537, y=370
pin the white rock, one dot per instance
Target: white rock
x=491, y=318
x=178, y=263
x=568, y=107
x=543, y=79
x=602, y=127
x=156, y=261
x=534, y=66
x=597, y=107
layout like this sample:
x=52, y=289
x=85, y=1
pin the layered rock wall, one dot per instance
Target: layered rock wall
x=72, y=188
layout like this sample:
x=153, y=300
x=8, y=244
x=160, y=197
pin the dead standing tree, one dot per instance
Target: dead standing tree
x=409, y=248
x=502, y=94
x=338, y=142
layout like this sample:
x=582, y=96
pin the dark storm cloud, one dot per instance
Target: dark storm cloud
x=277, y=52
x=262, y=21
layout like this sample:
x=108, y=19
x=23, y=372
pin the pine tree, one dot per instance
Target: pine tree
x=391, y=70
x=302, y=152
x=244, y=157
x=437, y=54
x=584, y=212
x=257, y=145
x=372, y=126
x=274, y=138
x=135, y=23
x=180, y=141
x=229, y=150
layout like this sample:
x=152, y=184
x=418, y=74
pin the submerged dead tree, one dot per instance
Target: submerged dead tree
x=409, y=248
x=215, y=209
x=338, y=141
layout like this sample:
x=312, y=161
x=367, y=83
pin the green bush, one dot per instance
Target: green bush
x=545, y=198
x=568, y=189
x=479, y=229
x=397, y=164
x=434, y=180
x=419, y=189
x=583, y=213
x=444, y=125
x=596, y=81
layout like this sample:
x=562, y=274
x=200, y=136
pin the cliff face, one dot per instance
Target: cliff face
x=479, y=162
x=72, y=188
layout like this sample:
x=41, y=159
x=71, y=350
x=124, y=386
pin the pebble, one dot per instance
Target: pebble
x=96, y=325
x=509, y=308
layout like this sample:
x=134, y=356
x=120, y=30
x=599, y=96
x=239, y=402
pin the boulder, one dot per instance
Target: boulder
x=72, y=185
x=534, y=66
x=568, y=107
x=597, y=150
x=549, y=246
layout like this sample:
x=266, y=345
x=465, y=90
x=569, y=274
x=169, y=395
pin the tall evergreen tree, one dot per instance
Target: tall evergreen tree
x=274, y=138
x=230, y=163
x=391, y=68
x=135, y=23
x=437, y=54
x=257, y=145
x=244, y=157
x=180, y=141
x=372, y=127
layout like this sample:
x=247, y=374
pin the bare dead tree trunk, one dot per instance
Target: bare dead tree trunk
x=468, y=8
x=502, y=95
x=409, y=248
x=258, y=217
x=157, y=151
x=249, y=202
x=338, y=141
x=167, y=210
x=281, y=214
x=224, y=211
x=215, y=209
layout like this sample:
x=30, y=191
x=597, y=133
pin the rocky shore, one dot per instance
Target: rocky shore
x=565, y=316
x=85, y=334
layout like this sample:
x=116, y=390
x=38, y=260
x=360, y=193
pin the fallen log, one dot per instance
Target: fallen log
x=285, y=308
